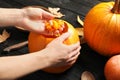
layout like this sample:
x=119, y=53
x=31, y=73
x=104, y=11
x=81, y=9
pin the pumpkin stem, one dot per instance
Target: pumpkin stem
x=116, y=7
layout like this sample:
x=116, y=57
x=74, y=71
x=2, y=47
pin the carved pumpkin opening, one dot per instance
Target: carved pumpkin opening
x=56, y=28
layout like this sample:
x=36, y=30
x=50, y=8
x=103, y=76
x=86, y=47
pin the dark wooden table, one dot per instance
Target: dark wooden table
x=88, y=60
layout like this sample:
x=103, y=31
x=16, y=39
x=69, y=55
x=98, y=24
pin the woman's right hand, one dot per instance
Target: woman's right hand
x=33, y=19
x=60, y=54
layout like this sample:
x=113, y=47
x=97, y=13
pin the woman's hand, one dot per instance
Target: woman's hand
x=60, y=54
x=33, y=19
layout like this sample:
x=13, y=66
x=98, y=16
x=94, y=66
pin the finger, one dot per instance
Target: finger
x=63, y=37
x=74, y=55
x=38, y=13
x=75, y=52
x=73, y=59
x=34, y=25
x=46, y=15
x=74, y=46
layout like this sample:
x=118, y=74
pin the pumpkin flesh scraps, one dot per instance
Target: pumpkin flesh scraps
x=55, y=28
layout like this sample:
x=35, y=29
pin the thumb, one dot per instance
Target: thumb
x=64, y=36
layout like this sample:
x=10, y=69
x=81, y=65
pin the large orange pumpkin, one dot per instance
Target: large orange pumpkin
x=102, y=28
x=36, y=42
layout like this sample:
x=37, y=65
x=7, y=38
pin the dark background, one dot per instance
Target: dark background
x=89, y=60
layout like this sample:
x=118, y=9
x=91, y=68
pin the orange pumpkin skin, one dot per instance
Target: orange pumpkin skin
x=102, y=29
x=37, y=42
x=112, y=68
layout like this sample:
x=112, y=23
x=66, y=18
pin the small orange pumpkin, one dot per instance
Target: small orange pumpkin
x=38, y=42
x=102, y=28
x=112, y=68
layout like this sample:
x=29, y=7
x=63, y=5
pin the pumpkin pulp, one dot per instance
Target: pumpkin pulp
x=55, y=28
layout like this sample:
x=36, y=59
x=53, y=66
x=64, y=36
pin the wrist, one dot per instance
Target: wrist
x=10, y=17
x=42, y=59
x=21, y=15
